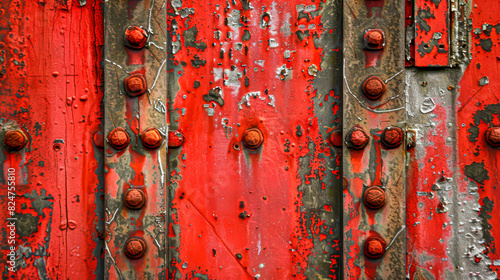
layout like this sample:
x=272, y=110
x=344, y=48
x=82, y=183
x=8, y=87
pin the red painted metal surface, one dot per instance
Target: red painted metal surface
x=431, y=33
x=50, y=88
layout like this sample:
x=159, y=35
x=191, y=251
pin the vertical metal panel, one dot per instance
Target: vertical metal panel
x=432, y=33
x=50, y=89
x=273, y=212
x=135, y=167
x=374, y=165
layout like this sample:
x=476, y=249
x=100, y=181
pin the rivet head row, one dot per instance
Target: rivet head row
x=135, y=37
x=357, y=138
x=135, y=247
x=151, y=138
x=374, y=87
x=118, y=138
x=135, y=85
x=374, y=247
x=253, y=138
x=493, y=136
x=392, y=137
x=374, y=197
x=374, y=39
x=135, y=199
x=15, y=140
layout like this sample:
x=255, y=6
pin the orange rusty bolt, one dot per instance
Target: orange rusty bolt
x=392, y=137
x=253, y=138
x=135, y=199
x=336, y=138
x=374, y=247
x=374, y=39
x=135, y=85
x=374, y=87
x=357, y=138
x=493, y=136
x=118, y=138
x=15, y=140
x=135, y=37
x=374, y=198
x=98, y=139
x=175, y=139
x=151, y=138
x=135, y=247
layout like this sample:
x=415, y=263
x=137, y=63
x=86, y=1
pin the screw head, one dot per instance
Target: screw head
x=374, y=87
x=15, y=140
x=135, y=37
x=135, y=85
x=98, y=139
x=493, y=136
x=151, y=138
x=135, y=247
x=357, y=138
x=392, y=137
x=374, y=39
x=118, y=138
x=374, y=198
x=175, y=139
x=336, y=138
x=253, y=138
x=374, y=247
x=134, y=199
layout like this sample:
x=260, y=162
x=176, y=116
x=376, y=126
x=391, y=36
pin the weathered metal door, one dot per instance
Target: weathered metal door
x=249, y=139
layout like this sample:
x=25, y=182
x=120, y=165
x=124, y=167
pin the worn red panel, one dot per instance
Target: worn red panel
x=272, y=212
x=431, y=33
x=50, y=89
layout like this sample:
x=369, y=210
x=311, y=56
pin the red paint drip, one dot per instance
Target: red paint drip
x=370, y=4
x=135, y=56
x=372, y=57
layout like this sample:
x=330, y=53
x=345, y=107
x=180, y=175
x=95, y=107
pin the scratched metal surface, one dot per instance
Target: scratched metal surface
x=452, y=201
x=276, y=66
x=50, y=88
x=374, y=165
x=135, y=166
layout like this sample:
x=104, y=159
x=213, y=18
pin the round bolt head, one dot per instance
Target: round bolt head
x=135, y=199
x=357, y=138
x=175, y=139
x=98, y=139
x=151, y=138
x=374, y=198
x=374, y=39
x=253, y=138
x=135, y=247
x=15, y=140
x=336, y=138
x=493, y=136
x=135, y=37
x=374, y=87
x=135, y=85
x=392, y=137
x=118, y=138
x=374, y=247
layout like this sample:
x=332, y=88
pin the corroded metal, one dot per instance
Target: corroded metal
x=374, y=197
x=253, y=138
x=392, y=137
x=374, y=87
x=15, y=140
x=135, y=62
x=118, y=138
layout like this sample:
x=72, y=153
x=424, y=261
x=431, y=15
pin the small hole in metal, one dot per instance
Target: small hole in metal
x=57, y=147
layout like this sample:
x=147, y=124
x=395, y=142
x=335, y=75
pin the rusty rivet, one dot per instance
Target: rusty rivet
x=253, y=138
x=135, y=247
x=392, y=137
x=336, y=138
x=374, y=87
x=374, y=39
x=493, y=136
x=134, y=199
x=357, y=138
x=374, y=247
x=374, y=198
x=175, y=139
x=135, y=85
x=98, y=139
x=151, y=138
x=135, y=37
x=15, y=140
x=118, y=138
